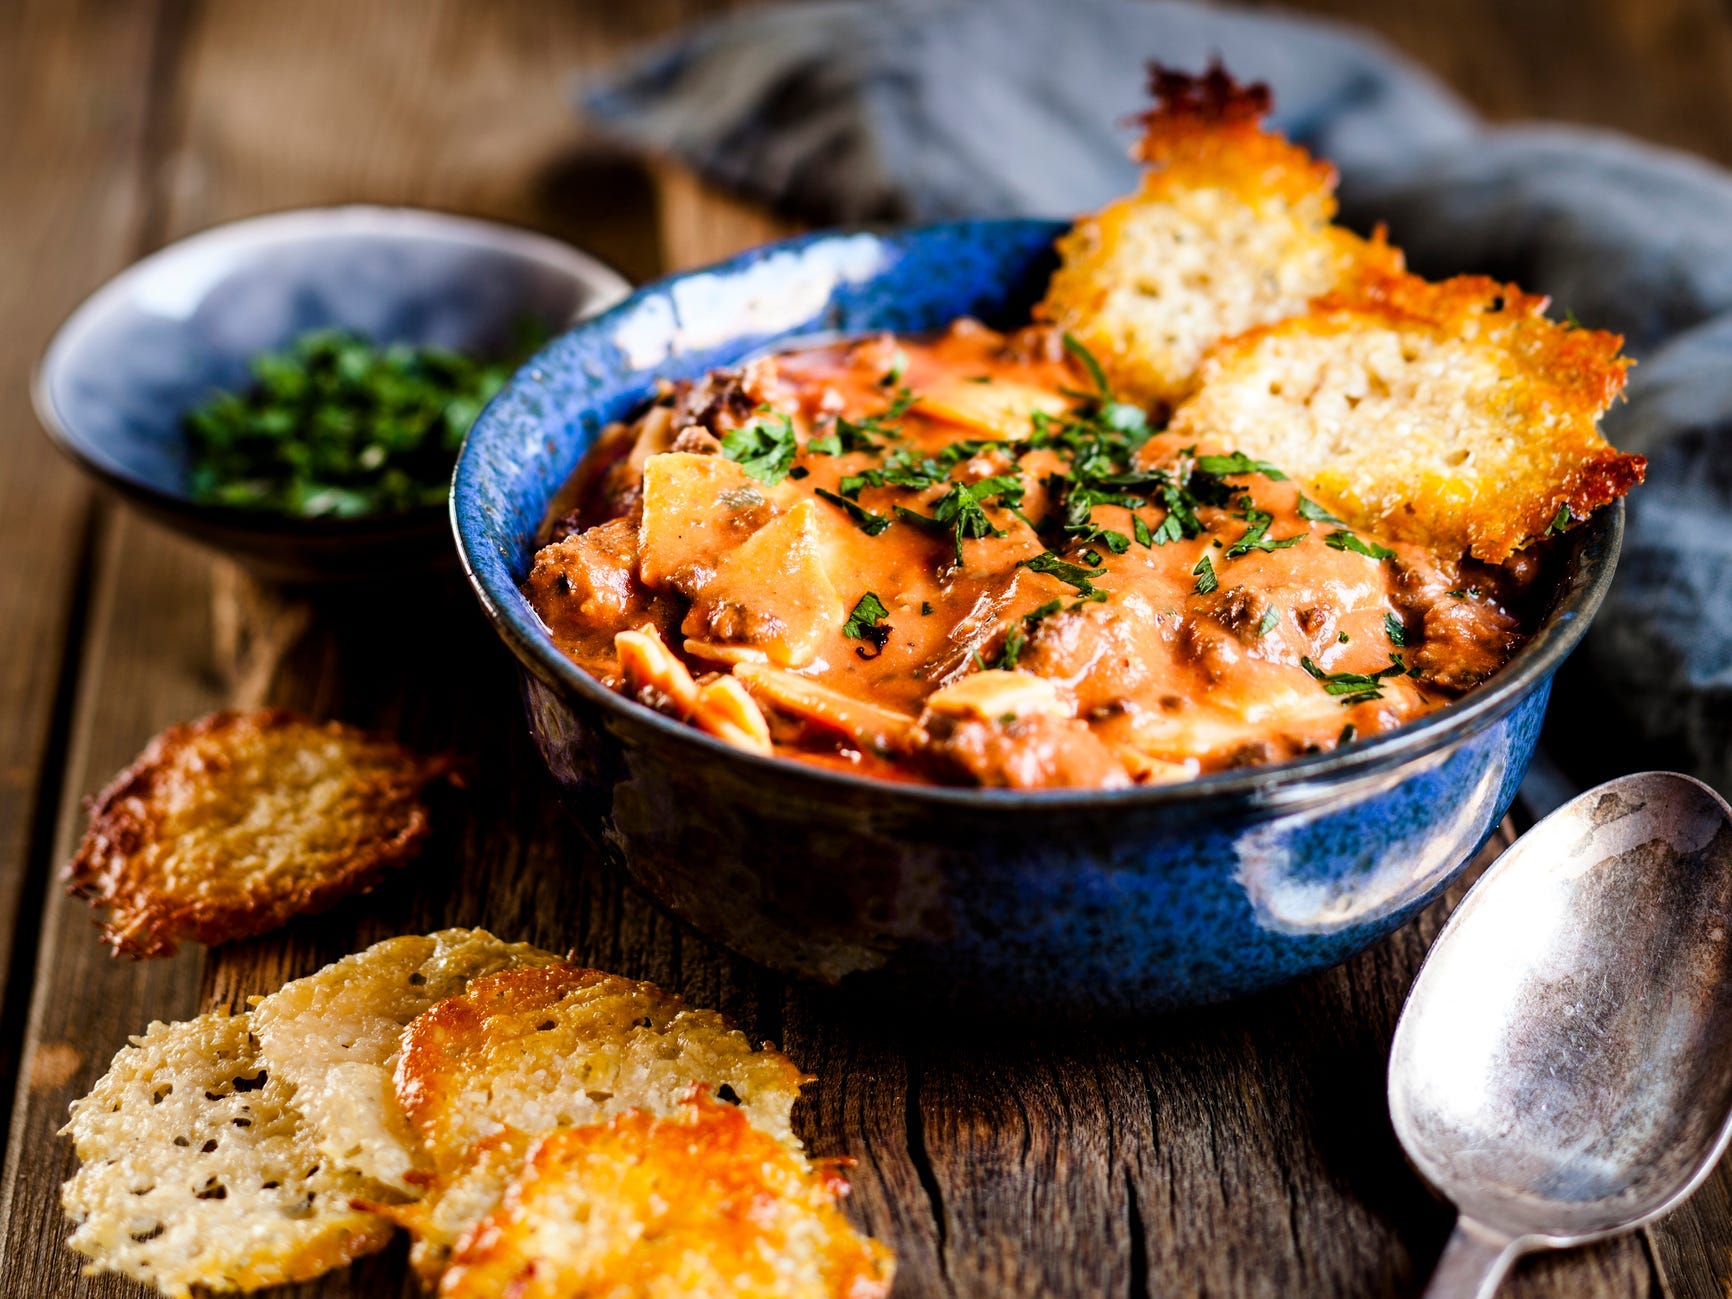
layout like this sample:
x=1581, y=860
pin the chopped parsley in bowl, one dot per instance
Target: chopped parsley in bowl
x=335, y=425
x=291, y=389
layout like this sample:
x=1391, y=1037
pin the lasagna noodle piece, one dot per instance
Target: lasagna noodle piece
x=1454, y=415
x=334, y=1037
x=229, y=826
x=692, y=1204
x=523, y=1052
x=1232, y=227
x=197, y=1170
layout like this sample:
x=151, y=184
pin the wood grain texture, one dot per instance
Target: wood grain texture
x=75, y=101
x=1236, y=1152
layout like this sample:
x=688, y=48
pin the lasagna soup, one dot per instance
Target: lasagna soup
x=1245, y=490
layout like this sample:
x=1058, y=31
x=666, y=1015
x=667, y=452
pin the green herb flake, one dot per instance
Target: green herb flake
x=765, y=447
x=1205, y=575
x=1561, y=520
x=1266, y=624
x=1341, y=539
x=1257, y=536
x=1140, y=531
x=864, y=519
x=960, y=511
x=1396, y=630
x=1070, y=574
x=1355, y=687
x=1238, y=463
x=926, y=608
x=1312, y=512
x=866, y=622
x=1349, y=733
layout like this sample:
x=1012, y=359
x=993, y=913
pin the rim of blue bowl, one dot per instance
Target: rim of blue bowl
x=612, y=288
x=1596, y=544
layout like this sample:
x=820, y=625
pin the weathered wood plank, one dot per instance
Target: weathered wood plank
x=74, y=104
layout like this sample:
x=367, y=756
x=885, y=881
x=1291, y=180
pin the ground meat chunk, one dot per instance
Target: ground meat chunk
x=1035, y=752
x=585, y=587
x=1465, y=641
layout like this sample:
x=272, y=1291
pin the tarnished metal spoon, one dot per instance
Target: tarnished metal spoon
x=1562, y=1070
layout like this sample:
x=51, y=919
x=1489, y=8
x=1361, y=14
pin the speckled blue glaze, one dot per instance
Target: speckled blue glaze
x=1060, y=903
x=155, y=340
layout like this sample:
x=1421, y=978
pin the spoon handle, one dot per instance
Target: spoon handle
x=1473, y=1263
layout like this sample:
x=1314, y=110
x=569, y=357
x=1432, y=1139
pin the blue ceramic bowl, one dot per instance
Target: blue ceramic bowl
x=1080, y=902
x=151, y=343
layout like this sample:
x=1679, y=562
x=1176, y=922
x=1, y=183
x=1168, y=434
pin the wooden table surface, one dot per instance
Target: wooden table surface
x=1239, y=1152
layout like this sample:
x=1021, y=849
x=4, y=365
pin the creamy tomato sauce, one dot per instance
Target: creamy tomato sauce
x=959, y=560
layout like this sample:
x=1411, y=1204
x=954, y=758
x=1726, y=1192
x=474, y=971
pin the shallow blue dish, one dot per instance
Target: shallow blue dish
x=1057, y=903
x=123, y=370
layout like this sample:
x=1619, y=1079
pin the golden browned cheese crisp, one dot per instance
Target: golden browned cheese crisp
x=691, y=1205
x=198, y=1172
x=335, y=1037
x=1119, y=605
x=1455, y=415
x=1232, y=227
x=229, y=826
x=525, y=1051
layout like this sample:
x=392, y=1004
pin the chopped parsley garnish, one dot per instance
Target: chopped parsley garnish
x=765, y=447
x=866, y=622
x=1140, y=531
x=1341, y=639
x=1076, y=348
x=1070, y=574
x=959, y=509
x=1119, y=416
x=1205, y=575
x=869, y=523
x=926, y=608
x=844, y=437
x=1266, y=624
x=1238, y=463
x=1396, y=629
x=979, y=378
x=1341, y=539
x=1355, y=687
x=1349, y=733
x=1561, y=520
x=1315, y=513
x=1257, y=533
x=893, y=376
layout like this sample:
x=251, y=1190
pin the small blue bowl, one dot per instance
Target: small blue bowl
x=151, y=343
x=1080, y=902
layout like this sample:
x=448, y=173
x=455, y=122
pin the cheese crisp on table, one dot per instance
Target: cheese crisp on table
x=1244, y=490
x=475, y=1092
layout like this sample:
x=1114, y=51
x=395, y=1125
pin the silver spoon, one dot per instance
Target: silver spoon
x=1562, y=1070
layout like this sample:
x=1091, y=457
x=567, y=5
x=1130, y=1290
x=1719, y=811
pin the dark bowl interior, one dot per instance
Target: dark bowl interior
x=132, y=359
x=1065, y=901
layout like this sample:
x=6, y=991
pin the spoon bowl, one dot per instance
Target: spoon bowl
x=1562, y=1070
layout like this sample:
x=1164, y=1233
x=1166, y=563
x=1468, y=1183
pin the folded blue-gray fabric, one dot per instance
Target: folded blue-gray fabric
x=914, y=110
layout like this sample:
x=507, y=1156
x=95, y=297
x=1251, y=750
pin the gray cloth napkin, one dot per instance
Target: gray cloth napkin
x=871, y=110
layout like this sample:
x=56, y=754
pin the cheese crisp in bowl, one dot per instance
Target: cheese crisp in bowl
x=1103, y=617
